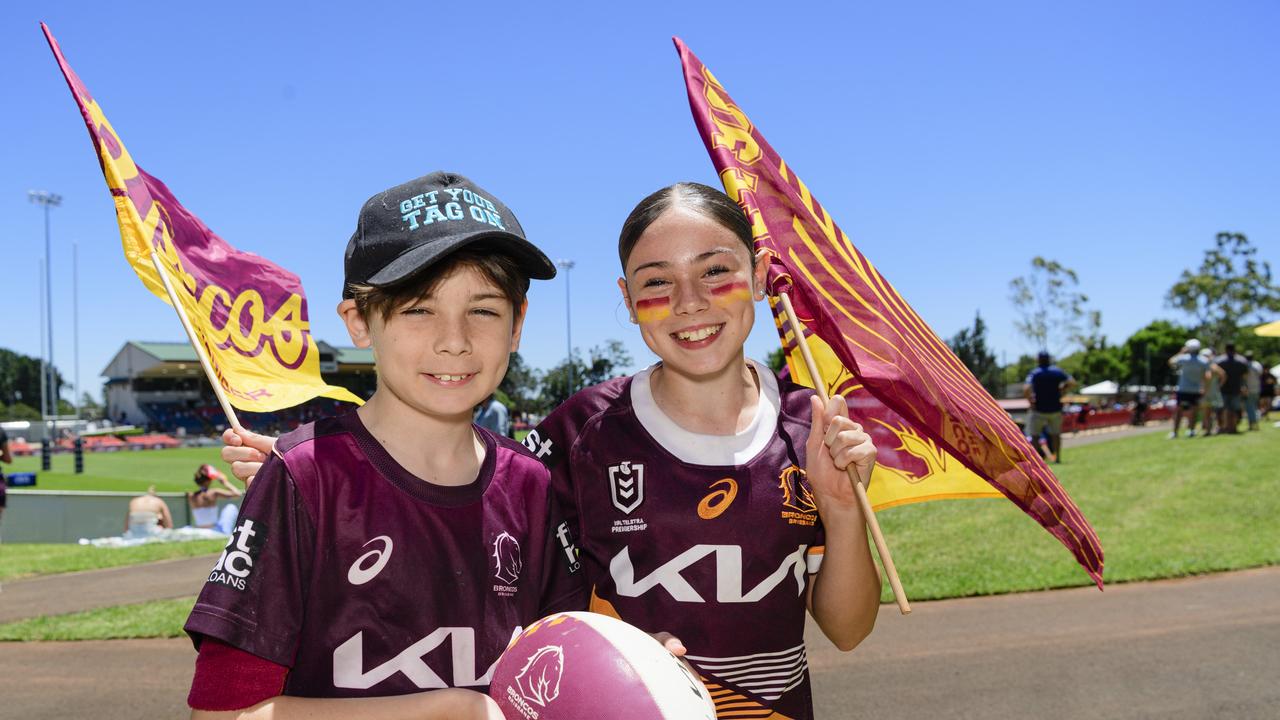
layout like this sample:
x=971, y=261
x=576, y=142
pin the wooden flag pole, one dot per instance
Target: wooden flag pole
x=820, y=386
x=195, y=344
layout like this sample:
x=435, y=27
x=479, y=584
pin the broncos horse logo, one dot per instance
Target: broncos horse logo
x=506, y=557
x=539, y=681
x=796, y=494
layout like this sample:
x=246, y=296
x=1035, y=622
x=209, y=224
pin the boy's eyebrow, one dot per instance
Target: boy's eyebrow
x=662, y=264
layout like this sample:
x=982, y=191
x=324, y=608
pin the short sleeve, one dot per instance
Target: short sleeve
x=254, y=598
x=813, y=556
x=563, y=586
x=551, y=442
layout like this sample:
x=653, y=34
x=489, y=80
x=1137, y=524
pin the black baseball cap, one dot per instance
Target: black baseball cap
x=407, y=228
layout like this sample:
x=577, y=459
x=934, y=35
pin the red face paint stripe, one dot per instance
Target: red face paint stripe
x=653, y=309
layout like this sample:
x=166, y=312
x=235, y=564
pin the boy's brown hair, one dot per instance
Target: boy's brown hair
x=498, y=268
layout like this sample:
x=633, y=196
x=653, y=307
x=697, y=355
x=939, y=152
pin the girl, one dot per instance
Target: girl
x=706, y=496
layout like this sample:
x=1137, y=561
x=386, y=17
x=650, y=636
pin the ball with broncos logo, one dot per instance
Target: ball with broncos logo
x=579, y=665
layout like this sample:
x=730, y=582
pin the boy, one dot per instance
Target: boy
x=395, y=549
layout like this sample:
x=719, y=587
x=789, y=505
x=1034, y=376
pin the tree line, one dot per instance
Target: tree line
x=1221, y=301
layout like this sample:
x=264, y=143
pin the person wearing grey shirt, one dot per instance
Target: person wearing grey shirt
x=493, y=416
x=1191, y=375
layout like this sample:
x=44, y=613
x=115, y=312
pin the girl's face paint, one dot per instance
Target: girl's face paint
x=729, y=293
x=653, y=310
x=688, y=281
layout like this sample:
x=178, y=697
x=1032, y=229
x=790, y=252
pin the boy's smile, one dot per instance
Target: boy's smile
x=443, y=354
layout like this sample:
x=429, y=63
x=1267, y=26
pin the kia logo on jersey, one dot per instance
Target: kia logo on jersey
x=626, y=486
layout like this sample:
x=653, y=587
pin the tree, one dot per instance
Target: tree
x=20, y=379
x=1050, y=307
x=1096, y=360
x=520, y=386
x=90, y=409
x=604, y=362
x=776, y=360
x=1017, y=372
x=1095, y=364
x=1230, y=288
x=970, y=345
x=21, y=411
x=1147, y=352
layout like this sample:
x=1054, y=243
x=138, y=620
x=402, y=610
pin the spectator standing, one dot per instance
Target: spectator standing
x=1268, y=394
x=7, y=459
x=1211, y=403
x=492, y=416
x=1044, y=388
x=1191, y=374
x=1234, y=368
x=1252, y=389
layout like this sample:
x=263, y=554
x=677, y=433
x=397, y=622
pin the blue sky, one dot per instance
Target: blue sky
x=951, y=141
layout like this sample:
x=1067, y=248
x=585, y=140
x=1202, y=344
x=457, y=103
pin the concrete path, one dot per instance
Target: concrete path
x=73, y=592
x=1198, y=648
x=1205, y=647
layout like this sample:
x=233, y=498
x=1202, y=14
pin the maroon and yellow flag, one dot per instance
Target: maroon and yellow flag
x=939, y=433
x=249, y=314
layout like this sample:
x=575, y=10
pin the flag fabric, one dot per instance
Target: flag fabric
x=249, y=314
x=938, y=432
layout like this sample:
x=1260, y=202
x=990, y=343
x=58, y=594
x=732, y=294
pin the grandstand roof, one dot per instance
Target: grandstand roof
x=139, y=359
x=167, y=351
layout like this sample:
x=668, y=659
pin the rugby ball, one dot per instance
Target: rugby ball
x=585, y=666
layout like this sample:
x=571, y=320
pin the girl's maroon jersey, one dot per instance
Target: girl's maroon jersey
x=364, y=580
x=710, y=538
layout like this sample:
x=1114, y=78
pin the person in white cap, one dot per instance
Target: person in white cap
x=1211, y=403
x=1191, y=375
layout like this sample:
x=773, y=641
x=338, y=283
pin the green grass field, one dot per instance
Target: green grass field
x=162, y=618
x=1161, y=508
x=21, y=560
x=128, y=471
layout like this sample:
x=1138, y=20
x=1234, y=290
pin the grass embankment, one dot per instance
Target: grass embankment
x=21, y=560
x=162, y=618
x=124, y=470
x=1162, y=508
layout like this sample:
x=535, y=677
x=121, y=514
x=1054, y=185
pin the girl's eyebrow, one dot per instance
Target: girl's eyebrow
x=663, y=264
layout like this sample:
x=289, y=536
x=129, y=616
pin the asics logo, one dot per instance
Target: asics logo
x=360, y=573
x=717, y=501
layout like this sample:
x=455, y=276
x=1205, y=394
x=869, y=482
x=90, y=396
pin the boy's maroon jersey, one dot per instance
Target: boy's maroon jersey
x=709, y=538
x=365, y=580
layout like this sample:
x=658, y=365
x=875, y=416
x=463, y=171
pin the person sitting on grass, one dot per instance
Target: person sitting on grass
x=204, y=501
x=147, y=515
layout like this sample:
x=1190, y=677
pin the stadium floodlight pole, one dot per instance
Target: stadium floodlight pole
x=567, y=265
x=49, y=200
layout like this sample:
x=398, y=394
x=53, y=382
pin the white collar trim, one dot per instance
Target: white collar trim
x=698, y=449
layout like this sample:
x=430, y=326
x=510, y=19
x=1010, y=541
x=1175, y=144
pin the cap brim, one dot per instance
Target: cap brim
x=530, y=259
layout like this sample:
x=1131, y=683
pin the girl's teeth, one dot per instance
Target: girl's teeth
x=451, y=378
x=700, y=334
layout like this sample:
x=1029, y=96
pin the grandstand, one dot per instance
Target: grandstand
x=160, y=386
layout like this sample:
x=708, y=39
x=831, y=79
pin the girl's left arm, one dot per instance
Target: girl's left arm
x=844, y=595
